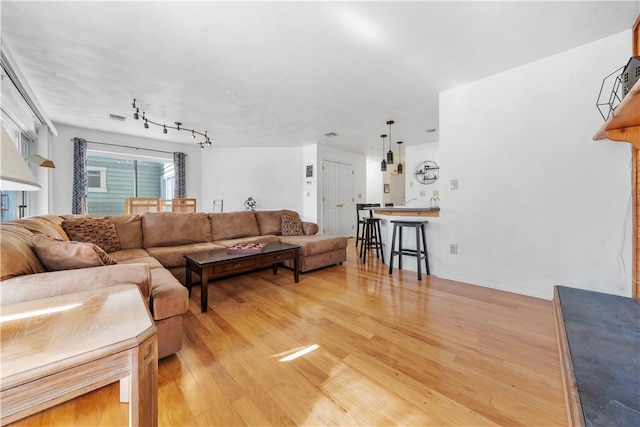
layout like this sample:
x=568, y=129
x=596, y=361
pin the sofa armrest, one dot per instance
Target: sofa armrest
x=43, y=285
x=310, y=228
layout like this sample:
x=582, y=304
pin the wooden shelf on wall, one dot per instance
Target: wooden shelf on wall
x=624, y=122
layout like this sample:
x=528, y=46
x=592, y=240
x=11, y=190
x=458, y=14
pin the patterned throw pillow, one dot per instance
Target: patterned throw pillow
x=57, y=254
x=291, y=226
x=100, y=231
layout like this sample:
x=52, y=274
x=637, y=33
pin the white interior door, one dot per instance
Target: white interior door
x=338, y=214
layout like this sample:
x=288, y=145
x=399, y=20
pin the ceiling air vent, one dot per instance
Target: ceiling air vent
x=116, y=117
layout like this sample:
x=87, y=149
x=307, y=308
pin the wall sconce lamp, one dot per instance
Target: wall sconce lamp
x=38, y=160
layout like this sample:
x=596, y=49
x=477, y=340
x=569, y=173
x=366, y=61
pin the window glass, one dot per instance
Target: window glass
x=113, y=180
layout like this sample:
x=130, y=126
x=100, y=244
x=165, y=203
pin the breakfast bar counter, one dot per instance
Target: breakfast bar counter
x=402, y=213
x=407, y=211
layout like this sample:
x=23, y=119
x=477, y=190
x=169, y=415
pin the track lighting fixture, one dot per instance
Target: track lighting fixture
x=178, y=126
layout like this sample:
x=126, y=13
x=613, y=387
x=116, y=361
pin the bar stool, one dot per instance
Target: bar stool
x=418, y=253
x=363, y=210
x=371, y=238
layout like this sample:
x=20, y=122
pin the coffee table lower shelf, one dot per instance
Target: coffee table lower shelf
x=214, y=264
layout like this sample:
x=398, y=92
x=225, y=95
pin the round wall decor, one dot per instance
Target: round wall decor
x=427, y=172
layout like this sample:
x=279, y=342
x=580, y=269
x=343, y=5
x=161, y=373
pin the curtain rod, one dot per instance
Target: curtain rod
x=127, y=146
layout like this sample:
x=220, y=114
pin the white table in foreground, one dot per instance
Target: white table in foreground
x=58, y=348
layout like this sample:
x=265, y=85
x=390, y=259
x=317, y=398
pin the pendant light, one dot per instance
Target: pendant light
x=400, y=168
x=390, y=153
x=383, y=164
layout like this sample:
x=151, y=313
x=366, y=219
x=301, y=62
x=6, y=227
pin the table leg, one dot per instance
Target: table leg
x=143, y=398
x=204, y=289
x=188, y=278
x=296, y=265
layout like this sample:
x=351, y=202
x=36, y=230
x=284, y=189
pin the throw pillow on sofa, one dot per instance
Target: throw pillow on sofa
x=291, y=226
x=100, y=231
x=57, y=254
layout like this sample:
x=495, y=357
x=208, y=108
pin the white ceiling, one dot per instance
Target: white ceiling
x=283, y=73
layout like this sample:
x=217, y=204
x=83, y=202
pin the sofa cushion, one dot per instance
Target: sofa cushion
x=312, y=245
x=173, y=256
x=17, y=257
x=42, y=225
x=270, y=222
x=135, y=256
x=43, y=285
x=100, y=231
x=57, y=254
x=129, y=229
x=291, y=226
x=255, y=239
x=128, y=254
x=174, y=228
x=310, y=228
x=168, y=296
x=231, y=225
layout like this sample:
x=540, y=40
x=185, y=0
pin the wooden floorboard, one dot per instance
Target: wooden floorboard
x=391, y=351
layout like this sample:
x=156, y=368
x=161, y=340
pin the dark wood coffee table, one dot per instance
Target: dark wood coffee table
x=217, y=263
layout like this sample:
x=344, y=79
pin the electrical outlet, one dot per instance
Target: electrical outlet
x=453, y=249
x=454, y=184
x=436, y=193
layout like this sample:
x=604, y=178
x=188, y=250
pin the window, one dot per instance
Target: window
x=126, y=177
x=97, y=179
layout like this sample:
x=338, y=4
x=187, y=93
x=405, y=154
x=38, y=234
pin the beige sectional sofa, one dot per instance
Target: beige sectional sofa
x=149, y=251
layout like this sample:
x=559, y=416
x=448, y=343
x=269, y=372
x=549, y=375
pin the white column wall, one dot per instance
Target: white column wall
x=539, y=203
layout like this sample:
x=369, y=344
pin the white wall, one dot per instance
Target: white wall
x=310, y=194
x=539, y=203
x=62, y=156
x=375, y=181
x=274, y=177
x=414, y=189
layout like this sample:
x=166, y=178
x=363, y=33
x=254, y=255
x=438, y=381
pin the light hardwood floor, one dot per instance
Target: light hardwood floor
x=391, y=351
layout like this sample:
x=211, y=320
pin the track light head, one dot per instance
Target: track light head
x=146, y=124
x=164, y=130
